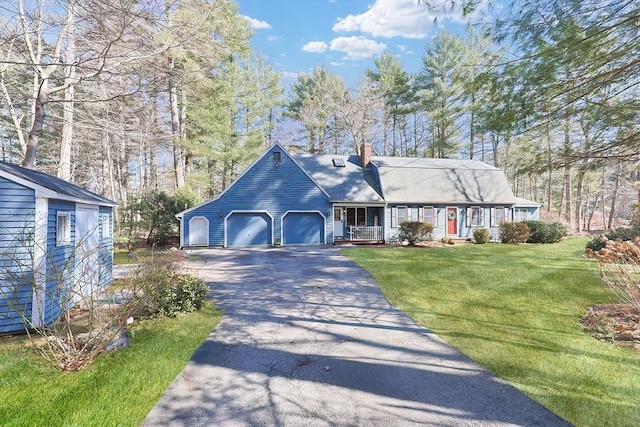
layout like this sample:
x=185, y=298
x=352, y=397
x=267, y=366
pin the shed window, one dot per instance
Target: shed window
x=106, y=226
x=63, y=228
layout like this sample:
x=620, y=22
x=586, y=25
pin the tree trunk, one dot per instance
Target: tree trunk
x=178, y=156
x=29, y=160
x=579, y=190
x=614, y=196
x=64, y=166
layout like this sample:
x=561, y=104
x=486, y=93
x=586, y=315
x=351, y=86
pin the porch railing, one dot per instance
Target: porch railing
x=365, y=233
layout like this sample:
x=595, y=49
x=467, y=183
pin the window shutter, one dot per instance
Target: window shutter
x=482, y=215
x=467, y=219
x=492, y=216
x=394, y=217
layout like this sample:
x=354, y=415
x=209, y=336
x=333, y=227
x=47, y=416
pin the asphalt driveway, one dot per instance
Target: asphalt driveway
x=307, y=339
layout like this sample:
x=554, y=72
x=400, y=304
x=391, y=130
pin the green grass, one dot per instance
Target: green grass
x=118, y=389
x=514, y=309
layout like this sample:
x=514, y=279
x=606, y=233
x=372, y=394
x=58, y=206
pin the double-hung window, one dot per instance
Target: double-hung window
x=475, y=216
x=106, y=226
x=430, y=215
x=520, y=214
x=498, y=216
x=63, y=228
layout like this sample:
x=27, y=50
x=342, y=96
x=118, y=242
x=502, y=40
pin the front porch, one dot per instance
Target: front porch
x=358, y=225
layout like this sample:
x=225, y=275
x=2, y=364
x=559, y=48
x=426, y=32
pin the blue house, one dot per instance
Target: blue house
x=56, y=246
x=288, y=198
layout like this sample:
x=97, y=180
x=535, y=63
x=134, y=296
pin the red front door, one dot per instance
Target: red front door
x=452, y=221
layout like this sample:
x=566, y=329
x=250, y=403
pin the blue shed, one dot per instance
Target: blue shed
x=56, y=246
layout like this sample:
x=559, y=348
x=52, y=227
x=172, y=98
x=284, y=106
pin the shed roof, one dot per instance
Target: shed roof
x=61, y=189
x=342, y=183
x=424, y=180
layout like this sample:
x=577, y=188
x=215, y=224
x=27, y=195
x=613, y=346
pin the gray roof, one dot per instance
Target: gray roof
x=442, y=181
x=64, y=189
x=346, y=183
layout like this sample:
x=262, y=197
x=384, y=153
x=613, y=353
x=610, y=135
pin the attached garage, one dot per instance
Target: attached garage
x=248, y=229
x=303, y=228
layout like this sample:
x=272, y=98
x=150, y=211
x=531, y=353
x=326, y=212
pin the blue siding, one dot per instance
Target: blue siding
x=303, y=228
x=60, y=263
x=268, y=186
x=17, y=219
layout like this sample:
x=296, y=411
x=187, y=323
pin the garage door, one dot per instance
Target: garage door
x=248, y=229
x=303, y=228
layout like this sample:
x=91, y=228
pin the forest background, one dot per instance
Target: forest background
x=140, y=98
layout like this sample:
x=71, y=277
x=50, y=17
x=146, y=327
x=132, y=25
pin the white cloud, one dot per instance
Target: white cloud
x=390, y=18
x=336, y=64
x=357, y=47
x=403, y=47
x=273, y=38
x=315, y=47
x=256, y=24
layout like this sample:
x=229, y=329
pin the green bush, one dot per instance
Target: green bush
x=513, y=232
x=160, y=291
x=545, y=232
x=481, y=235
x=153, y=214
x=415, y=232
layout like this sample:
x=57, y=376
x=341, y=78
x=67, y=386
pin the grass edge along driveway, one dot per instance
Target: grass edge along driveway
x=118, y=389
x=514, y=309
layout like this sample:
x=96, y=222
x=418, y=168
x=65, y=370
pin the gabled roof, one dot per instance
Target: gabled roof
x=442, y=181
x=342, y=184
x=52, y=186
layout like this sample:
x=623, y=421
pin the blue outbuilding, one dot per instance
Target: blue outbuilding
x=56, y=246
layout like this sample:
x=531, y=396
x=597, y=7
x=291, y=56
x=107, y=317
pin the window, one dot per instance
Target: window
x=276, y=156
x=339, y=163
x=401, y=215
x=498, y=216
x=63, y=228
x=430, y=215
x=106, y=226
x=475, y=216
x=413, y=214
x=337, y=214
x=520, y=214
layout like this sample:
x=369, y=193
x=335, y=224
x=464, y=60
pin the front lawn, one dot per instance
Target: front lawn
x=514, y=309
x=118, y=389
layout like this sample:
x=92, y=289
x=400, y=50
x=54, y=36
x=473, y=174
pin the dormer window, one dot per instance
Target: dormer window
x=339, y=163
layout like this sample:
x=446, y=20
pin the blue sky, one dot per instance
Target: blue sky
x=343, y=35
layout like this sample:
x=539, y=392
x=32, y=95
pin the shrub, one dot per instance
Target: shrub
x=415, y=232
x=619, y=263
x=481, y=235
x=513, y=232
x=545, y=232
x=600, y=241
x=160, y=291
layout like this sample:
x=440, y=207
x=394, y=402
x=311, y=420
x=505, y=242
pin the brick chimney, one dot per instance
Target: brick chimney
x=365, y=154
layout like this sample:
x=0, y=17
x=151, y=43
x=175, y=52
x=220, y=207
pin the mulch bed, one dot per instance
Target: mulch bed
x=617, y=323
